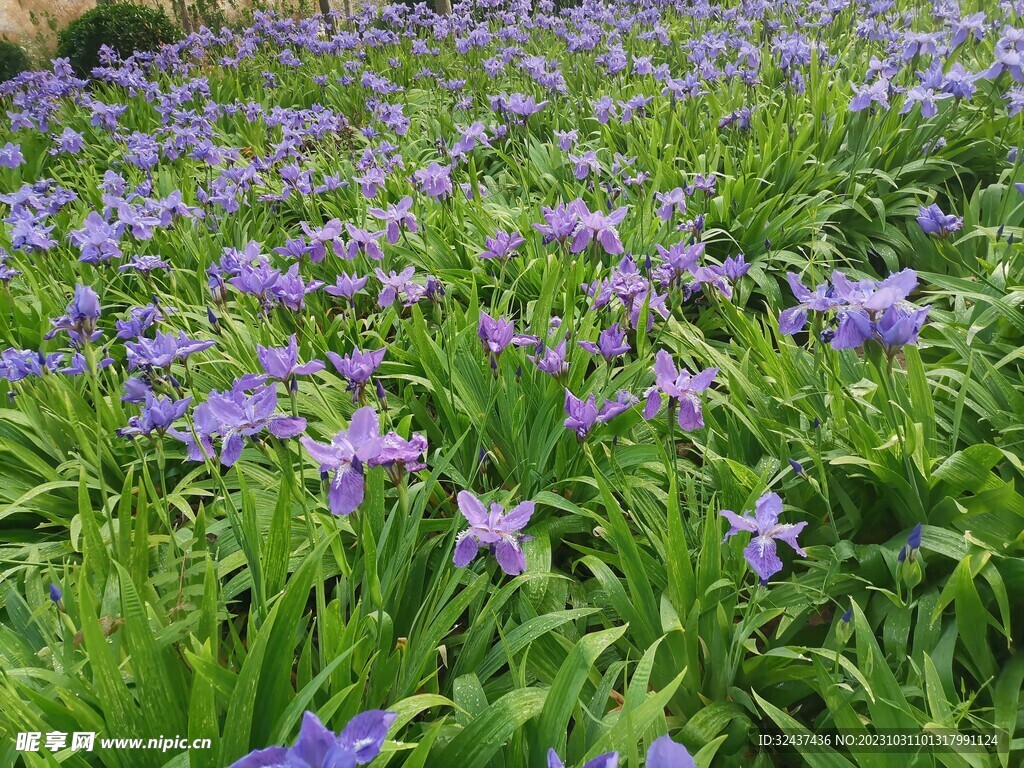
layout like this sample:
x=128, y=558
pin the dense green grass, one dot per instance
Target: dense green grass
x=221, y=602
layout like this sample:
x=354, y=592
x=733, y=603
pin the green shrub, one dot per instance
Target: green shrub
x=125, y=27
x=13, y=60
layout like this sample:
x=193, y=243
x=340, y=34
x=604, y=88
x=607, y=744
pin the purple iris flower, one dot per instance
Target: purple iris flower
x=295, y=248
x=316, y=747
x=936, y=223
x=158, y=415
x=10, y=156
x=677, y=260
x=611, y=343
x=585, y=164
x=363, y=241
x=495, y=333
x=502, y=246
x=18, y=364
x=173, y=206
x=671, y=203
x=899, y=326
x=144, y=264
x=80, y=320
x=321, y=237
x=393, y=285
x=371, y=181
x=79, y=365
x=973, y=25
x=135, y=389
x=468, y=139
x=1009, y=53
x=162, y=351
x=792, y=320
x=560, y=222
x=133, y=219
x=600, y=227
x=608, y=760
x=256, y=279
x=627, y=283
x=552, y=360
x=865, y=301
x=397, y=454
x=624, y=400
x=435, y=180
x=1015, y=105
x=7, y=273
x=29, y=231
x=290, y=289
x=735, y=267
x=98, y=240
x=357, y=367
x=739, y=118
x=877, y=297
x=397, y=217
x=140, y=319
x=926, y=97
x=875, y=92
x=582, y=415
x=345, y=456
x=282, y=363
x=494, y=529
x=665, y=753
x=604, y=109
x=713, y=275
x=679, y=386
x=524, y=106
x=232, y=416
x=764, y=524
x=346, y=286
x=960, y=83
x=566, y=139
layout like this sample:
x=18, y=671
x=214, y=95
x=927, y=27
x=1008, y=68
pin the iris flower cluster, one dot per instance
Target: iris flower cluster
x=858, y=311
x=344, y=460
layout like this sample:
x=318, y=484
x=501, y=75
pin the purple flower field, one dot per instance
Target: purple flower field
x=604, y=385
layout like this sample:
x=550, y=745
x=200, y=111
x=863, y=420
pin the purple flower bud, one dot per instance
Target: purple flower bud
x=81, y=317
x=909, y=551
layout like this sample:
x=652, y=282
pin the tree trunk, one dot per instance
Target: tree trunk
x=325, y=11
x=181, y=11
x=444, y=7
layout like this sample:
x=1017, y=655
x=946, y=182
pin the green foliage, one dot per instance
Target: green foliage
x=124, y=27
x=13, y=60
